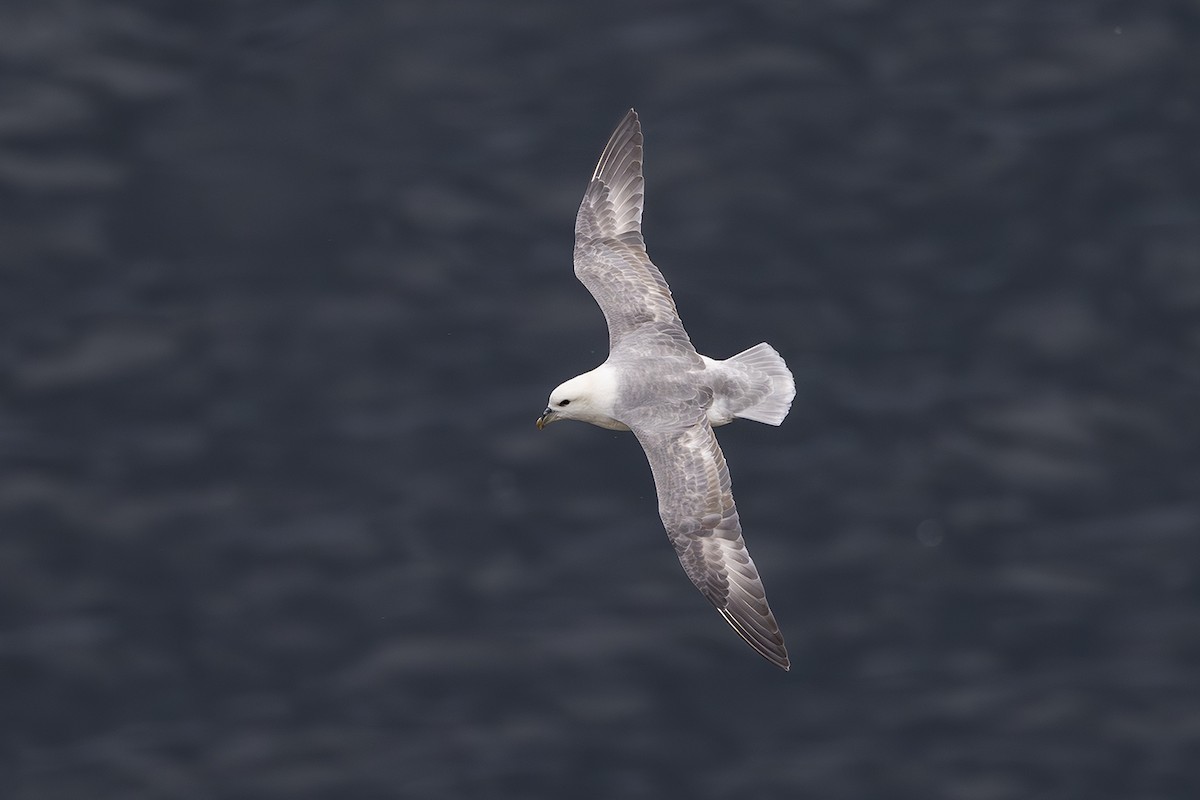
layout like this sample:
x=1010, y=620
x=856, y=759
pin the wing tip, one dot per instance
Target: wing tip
x=772, y=649
x=627, y=131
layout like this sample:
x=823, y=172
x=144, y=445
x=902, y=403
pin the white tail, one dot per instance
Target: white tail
x=764, y=360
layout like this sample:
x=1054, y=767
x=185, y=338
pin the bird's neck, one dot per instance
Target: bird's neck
x=603, y=387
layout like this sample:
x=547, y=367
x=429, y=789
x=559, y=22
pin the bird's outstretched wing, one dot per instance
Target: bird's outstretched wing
x=695, y=501
x=610, y=254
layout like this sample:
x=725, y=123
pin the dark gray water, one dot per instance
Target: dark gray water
x=285, y=286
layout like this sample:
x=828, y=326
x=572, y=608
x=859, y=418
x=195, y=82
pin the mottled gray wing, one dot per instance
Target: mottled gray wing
x=695, y=501
x=610, y=254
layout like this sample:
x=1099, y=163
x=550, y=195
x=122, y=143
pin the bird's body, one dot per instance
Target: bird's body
x=656, y=384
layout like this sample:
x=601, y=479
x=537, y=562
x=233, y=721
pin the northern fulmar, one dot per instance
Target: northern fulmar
x=655, y=384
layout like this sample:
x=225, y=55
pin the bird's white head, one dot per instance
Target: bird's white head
x=589, y=397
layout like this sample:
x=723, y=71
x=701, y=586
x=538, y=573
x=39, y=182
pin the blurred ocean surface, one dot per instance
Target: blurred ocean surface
x=283, y=287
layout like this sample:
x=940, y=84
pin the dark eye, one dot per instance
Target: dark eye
x=564, y=403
